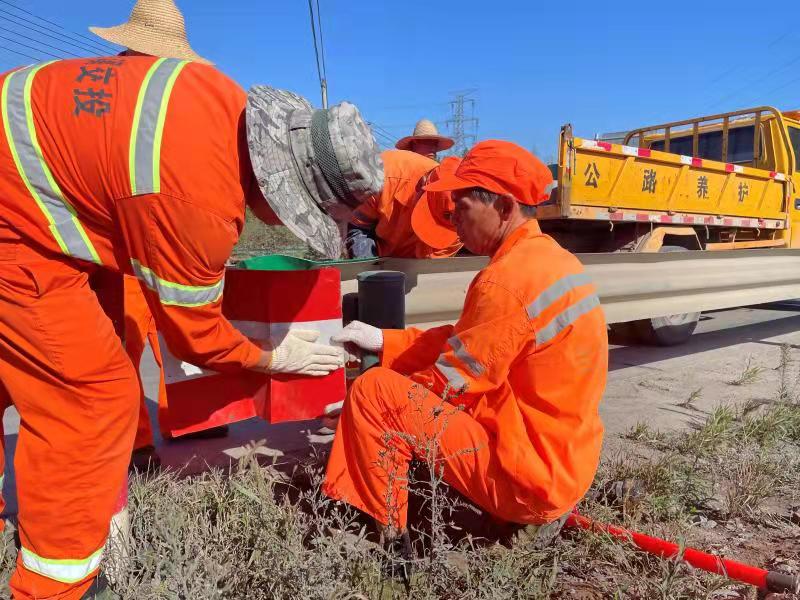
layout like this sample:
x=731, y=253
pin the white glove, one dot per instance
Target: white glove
x=362, y=335
x=299, y=355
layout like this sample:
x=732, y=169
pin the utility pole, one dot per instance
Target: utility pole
x=462, y=125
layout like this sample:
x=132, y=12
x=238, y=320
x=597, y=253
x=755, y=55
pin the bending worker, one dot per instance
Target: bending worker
x=155, y=28
x=137, y=165
x=405, y=220
x=527, y=361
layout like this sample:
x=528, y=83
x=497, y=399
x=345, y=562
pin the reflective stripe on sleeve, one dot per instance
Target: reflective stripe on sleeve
x=148, y=125
x=176, y=294
x=63, y=570
x=454, y=378
x=556, y=291
x=566, y=318
x=23, y=142
x=464, y=356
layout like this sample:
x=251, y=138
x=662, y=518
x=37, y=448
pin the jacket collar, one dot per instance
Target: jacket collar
x=529, y=230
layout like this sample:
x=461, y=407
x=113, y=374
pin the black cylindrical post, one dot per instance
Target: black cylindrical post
x=381, y=303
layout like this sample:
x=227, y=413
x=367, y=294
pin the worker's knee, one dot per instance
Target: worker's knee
x=376, y=388
x=371, y=381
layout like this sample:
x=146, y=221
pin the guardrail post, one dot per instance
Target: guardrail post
x=381, y=303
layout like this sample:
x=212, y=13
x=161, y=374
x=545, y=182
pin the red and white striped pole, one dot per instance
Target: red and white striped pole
x=766, y=580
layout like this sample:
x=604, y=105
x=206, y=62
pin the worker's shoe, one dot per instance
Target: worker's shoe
x=538, y=537
x=206, y=434
x=624, y=494
x=145, y=460
x=99, y=590
x=399, y=558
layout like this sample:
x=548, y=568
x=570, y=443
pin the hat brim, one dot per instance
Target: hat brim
x=268, y=137
x=428, y=229
x=443, y=143
x=132, y=37
x=449, y=183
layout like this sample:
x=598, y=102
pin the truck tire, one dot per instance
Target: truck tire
x=671, y=330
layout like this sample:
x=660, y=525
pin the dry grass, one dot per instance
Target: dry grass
x=257, y=533
x=749, y=375
x=259, y=239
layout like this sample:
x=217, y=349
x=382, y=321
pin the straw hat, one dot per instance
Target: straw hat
x=313, y=166
x=155, y=27
x=425, y=130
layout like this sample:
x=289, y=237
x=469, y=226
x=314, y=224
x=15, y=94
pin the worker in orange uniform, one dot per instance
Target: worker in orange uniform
x=527, y=360
x=155, y=28
x=425, y=140
x=402, y=220
x=136, y=165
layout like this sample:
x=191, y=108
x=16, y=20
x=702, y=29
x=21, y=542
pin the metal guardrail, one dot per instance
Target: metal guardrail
x=630, y=286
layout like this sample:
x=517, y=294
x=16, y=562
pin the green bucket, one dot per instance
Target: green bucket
x=282, y=262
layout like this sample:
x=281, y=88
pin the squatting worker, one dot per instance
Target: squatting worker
x=139, y=165
x=404, y=220
x=527, y=360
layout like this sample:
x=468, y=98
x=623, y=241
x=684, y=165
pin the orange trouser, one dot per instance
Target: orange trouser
x=386, y=421
x=140, y=327
x=64, y=369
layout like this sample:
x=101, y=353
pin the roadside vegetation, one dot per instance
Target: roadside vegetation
x=730, y=485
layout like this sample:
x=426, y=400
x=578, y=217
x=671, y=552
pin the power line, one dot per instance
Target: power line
x=323, y=84
x=782, y=86
x=35, y=32
x=381, y=135
x=39, y=42
x=86, y=37
x=321, y=43
x=2, y=37
x=750, y=85
x=38, y=30
x=20, y=53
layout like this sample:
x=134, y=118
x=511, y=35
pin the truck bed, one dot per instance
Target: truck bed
x=612, y=182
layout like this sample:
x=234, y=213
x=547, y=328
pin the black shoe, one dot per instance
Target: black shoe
x=145, y=460
x=399, y=560
x=207, y=434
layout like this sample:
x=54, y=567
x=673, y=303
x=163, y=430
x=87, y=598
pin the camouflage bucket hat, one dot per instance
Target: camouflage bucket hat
x=313, y=166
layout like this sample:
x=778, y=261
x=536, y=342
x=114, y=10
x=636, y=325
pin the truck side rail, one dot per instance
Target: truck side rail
x=698, y=123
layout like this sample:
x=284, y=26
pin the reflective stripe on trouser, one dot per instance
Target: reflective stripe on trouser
x=22, y=140
x=66, y=570
x=75, y=390
x=148, y=125
x=176, y=294
x=362, y=468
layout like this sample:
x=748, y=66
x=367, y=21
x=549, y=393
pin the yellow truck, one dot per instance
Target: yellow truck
x=720, y=182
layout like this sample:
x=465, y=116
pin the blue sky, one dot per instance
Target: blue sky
x=601, y=66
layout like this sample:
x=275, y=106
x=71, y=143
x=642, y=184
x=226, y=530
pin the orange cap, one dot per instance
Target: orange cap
x=431, y=218
x=503, y=168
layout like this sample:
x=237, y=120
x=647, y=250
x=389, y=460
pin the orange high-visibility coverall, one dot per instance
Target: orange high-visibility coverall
x=133, y=164
x=140, y=328
x=530, y=353
x=390, y=213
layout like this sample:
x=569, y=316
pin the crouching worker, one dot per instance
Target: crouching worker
x=510, y=393
x=404, y=220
